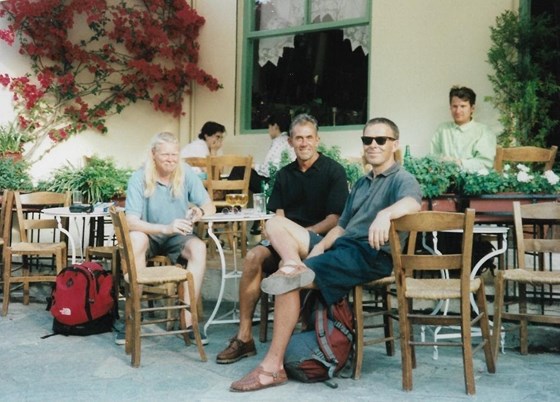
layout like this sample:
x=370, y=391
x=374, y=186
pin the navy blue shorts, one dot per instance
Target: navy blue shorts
x=346, y=264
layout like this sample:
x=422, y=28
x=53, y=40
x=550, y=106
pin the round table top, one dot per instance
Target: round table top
x=248, y=214
x=65, y=212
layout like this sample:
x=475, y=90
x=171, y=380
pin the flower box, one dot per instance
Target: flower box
x=445, y=202
x=498, y=208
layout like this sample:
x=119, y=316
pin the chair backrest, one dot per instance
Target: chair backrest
x=29, y=206
x=5, y=195
x=198, y=162
x=540, y=240
x=218, y=164
x=526, y=154
x=195, y=161
x=124, y=244
x=432, y=221
x=6, y=216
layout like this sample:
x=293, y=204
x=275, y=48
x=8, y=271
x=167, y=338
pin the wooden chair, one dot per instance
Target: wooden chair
x=201, y=163
x=525, y=154
x=364, y=315
x=29, y=221
x=5, y=239
x=157, y=276
x=197, y=162
x=540, y=242
x=410, y=286
x=215, y=166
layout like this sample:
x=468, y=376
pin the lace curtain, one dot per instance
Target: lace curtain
x=277, y=14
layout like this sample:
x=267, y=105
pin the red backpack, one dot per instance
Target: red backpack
x=82, y=300
x=324, y=348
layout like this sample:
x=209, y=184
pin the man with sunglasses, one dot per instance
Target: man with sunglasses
x=309, y=194
x=466, y=142
x=353, y=252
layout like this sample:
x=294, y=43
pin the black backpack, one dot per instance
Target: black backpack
x=325, y=346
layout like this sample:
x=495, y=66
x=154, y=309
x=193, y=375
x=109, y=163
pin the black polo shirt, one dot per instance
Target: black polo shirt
x=308, y=197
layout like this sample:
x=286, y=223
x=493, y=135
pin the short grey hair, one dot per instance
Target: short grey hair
x=303, y=119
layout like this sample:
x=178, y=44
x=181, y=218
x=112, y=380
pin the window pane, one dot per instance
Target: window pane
x=275, y=14
x=316, y=73
x=337, y=10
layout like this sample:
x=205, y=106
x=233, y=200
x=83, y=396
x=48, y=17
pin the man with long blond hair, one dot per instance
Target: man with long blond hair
x=159, y=196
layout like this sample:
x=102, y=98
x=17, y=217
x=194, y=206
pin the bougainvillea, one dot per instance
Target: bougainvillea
x=92, y=58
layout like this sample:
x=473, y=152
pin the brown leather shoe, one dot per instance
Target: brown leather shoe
x=236, y=350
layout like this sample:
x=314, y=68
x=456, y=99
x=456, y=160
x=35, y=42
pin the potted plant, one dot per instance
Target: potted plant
x=100, y=180
x=12, y=140
x=437, y=181
x=14, y=175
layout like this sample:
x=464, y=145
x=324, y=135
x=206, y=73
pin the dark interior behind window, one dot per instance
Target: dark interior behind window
x=320, y=75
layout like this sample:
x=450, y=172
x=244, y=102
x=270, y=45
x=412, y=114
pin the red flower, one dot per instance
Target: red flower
x=141, y=51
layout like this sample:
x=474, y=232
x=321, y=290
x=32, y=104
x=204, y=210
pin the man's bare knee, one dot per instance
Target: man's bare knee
x=254, y=260
x=194, y=247
x=139, y=241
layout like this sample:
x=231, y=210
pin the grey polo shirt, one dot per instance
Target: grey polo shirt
x=372, y=194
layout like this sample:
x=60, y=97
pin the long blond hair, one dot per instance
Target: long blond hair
x=150, y=172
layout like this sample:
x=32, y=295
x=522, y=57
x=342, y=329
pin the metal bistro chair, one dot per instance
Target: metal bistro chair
x=411, y=284
x=540, y=242
x=30, y=221
x=137, y=316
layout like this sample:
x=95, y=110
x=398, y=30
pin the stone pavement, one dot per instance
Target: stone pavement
x=91, y=368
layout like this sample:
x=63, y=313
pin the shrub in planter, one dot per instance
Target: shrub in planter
x=436, y=177
x=14, y=175
x=99, y=180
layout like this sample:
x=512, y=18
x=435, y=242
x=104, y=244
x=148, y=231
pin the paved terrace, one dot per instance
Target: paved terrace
x=92, y=368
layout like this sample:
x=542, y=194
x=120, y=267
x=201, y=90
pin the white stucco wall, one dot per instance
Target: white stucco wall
x=420, y=48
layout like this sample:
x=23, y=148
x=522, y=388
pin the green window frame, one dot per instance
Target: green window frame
x=251, y=37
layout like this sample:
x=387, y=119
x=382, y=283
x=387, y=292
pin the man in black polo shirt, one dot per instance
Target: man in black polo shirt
x=311, y=191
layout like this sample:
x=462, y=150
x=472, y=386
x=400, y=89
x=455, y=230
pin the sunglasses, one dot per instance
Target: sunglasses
x=378, y=140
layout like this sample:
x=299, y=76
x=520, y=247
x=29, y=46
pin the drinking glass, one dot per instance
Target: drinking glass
x=242, y=200
x=259, y=203
x=232, y=200
x=77, y=197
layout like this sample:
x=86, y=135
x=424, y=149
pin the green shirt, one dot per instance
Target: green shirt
x=472, y=143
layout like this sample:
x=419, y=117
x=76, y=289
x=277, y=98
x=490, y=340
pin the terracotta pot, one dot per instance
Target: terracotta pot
x=446, y=202
x=15, y=156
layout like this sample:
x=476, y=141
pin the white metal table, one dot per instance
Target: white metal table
x=64, y=212
x=502, y=249
x=244, y=216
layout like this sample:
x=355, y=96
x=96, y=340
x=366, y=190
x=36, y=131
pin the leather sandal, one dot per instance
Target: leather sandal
x=252, y=382
x=289, y=277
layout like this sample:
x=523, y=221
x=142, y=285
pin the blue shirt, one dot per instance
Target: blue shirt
x=162, y=207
